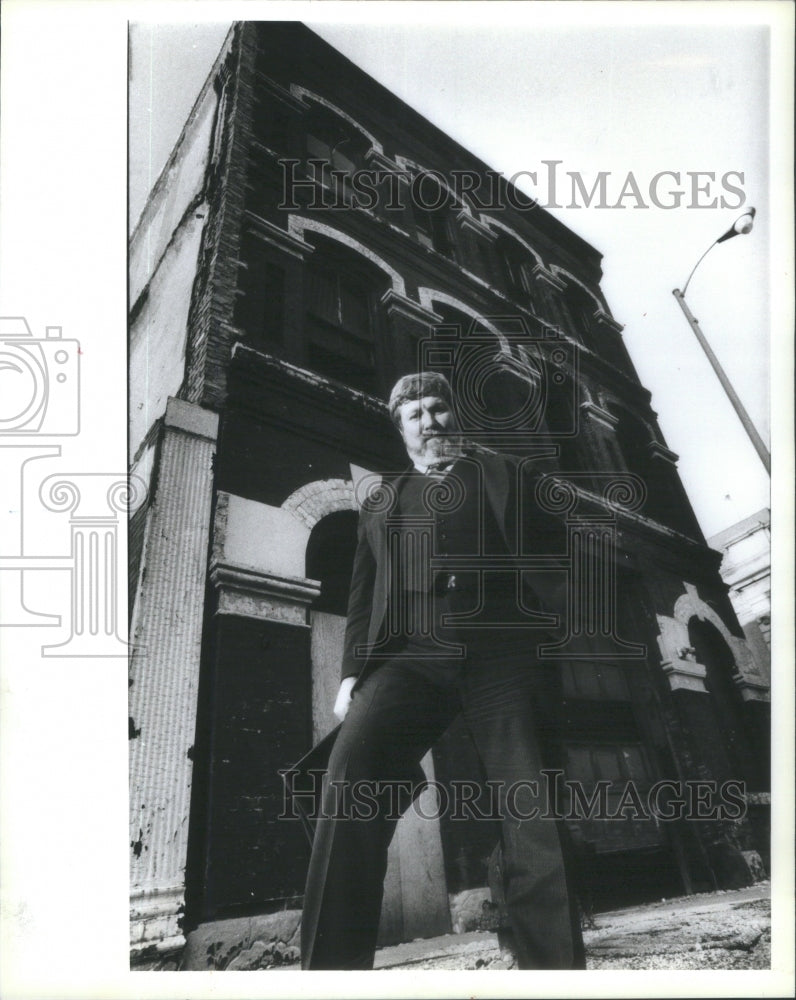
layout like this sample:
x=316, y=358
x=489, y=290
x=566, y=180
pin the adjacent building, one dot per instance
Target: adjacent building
x=746, y=569
x=310, y=239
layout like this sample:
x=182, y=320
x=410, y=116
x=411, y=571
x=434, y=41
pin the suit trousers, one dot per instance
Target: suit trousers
x=399, y=712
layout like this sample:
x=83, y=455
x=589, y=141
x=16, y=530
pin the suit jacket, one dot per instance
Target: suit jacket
x=370, y=581
x=370, y=595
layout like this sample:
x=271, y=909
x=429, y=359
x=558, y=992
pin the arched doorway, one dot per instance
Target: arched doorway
x=742, y=761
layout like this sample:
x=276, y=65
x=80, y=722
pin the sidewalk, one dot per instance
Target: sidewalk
x=718, y=930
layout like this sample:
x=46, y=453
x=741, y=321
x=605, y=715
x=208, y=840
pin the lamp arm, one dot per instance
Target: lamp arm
x=704, y=255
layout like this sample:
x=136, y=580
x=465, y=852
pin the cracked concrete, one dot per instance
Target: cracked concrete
x=729, y=929
x=720, y=930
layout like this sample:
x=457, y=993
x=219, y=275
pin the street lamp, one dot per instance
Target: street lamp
x=741, y=226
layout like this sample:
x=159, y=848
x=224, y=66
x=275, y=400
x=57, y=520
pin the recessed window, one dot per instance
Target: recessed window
x=579, y=309
x=595, y=681
x=617, y=763
x=336, y=167
x=431, y=211
x=337, y=148
x=340, y=332
x=259, y=308
x=517, y=270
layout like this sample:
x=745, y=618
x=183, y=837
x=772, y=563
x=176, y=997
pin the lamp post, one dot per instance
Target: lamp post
x=741, y=226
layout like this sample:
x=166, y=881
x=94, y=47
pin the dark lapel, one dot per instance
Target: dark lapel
x=379, y=521
x=497, y=472
x=497, y=484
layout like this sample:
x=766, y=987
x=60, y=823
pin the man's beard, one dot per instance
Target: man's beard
x=441, y=446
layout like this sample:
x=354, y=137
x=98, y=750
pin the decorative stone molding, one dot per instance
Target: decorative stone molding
x=280, y=93
x=599, y=415
x=152, y=921
x=677, y=658
x=313, y=501
x=304, y=95
x=396, y=304
x=678, y=661
x=545, y=277
x=490, y=222
x=252, y=594
x=602, y=319
x=657, y=450
x=267, y=371
x=299, y=224
x=570, y=279
x=466, y=219
x=183, y=416
x=258, y=559
x=377, y=159
x=428, y=296
x=411, y=167
x=288, y=243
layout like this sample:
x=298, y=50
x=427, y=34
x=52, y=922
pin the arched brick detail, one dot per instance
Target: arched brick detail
x=311, y=502
x=497, y=225
x=428, y=296
x=305, y=95
x=675, y=649
x=299, y=224
x=415, y=168
x=690, y=605
x=568, y=278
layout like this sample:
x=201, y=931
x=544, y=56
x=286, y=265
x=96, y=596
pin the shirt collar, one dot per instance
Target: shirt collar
x=439, y=465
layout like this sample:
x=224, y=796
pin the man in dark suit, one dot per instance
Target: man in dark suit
x=438, y=625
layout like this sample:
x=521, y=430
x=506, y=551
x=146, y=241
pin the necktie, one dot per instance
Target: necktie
x=439, y=469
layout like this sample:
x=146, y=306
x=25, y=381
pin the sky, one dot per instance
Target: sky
x=624, y=99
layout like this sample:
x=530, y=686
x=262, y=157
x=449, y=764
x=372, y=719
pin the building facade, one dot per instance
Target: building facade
x=746, y=569
x=311, y=239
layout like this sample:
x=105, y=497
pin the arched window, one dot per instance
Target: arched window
x=337, y=148
x=491, y=384
x=633, y=438
x=517, y=270
x=562, y=422
x=581, y=315
x=741, y=762
x=341, y=293
x=579, y=309
x=260, y=303
x=432, y=206
x=666, y=500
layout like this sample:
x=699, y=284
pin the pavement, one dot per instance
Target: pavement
x=729, y=929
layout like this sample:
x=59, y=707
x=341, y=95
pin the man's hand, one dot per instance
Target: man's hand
x=343, y=698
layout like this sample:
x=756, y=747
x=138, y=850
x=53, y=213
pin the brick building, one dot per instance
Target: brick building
x=275, y=296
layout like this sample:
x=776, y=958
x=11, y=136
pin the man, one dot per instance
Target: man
x=424, y=643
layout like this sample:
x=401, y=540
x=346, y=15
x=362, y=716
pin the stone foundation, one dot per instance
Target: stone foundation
x=244, y=944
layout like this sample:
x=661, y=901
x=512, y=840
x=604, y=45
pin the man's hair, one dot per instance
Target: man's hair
x=411, y=387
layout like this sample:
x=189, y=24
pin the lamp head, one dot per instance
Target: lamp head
x=742, y=225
